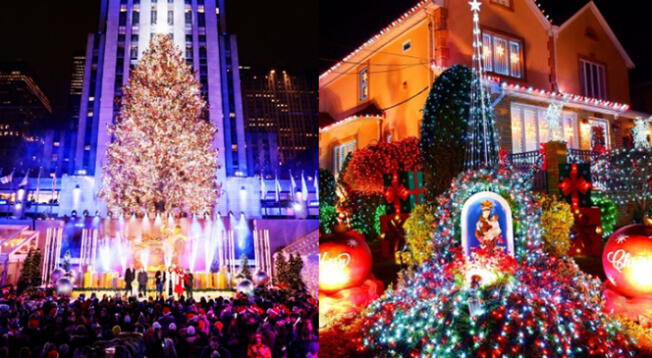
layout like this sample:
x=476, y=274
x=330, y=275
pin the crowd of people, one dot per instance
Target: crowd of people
x=269, y=323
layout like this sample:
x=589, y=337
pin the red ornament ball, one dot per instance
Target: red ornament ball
x=627, y=260
x=344, y=261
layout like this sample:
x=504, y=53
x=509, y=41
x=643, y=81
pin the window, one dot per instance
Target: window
x=135, y=17
x=502, y=55
x=407, y=45
x=599, y=134
x=201, y=18
x=530, y=128
x=134, y=38
x=134, y=52
x=123, y=18
x=188, y=17
x=153, y=17
x=170, y=17
x=363, y=84
x=505, y=3
x=339, y=154
x=593, y=79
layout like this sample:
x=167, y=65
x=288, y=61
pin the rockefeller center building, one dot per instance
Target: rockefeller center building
x=197, y=27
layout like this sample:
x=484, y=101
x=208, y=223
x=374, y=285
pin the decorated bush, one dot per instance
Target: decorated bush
x=443, y=128
x=557, y=220
x=364, y=172
x=418, y=234
x=608, y=214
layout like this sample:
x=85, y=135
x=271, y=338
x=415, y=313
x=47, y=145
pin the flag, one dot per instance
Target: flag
x=277, y=188
x=263, y=187
x=315, y=183
x=304, y=187
x=38, y=184
x=25, y=180
x=293, y=185
x=8, y=178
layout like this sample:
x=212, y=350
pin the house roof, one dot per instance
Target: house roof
x=590, y=6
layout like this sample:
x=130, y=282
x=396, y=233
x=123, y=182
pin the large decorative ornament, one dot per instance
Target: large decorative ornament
x=56, y=275
x=245, y=286
x=627, y=260
x=344, y=261
x=64, y=286
x=260, y=278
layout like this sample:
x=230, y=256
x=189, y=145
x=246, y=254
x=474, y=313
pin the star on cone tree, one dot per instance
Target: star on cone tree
x=161, y=159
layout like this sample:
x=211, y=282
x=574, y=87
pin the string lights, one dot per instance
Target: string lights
x=161, y=159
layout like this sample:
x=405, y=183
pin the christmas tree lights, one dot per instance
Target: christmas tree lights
x=444, y=127
x=482, y=140
x=161, y=159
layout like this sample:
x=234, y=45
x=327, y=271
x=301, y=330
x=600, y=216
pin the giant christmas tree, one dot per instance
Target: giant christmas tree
x=161, y=159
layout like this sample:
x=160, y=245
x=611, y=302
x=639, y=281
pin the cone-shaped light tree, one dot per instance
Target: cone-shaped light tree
x=161, y=159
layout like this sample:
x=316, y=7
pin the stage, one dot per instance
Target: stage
x=197, y=294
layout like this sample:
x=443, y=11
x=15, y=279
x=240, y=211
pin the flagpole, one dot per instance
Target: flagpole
x=38, y=188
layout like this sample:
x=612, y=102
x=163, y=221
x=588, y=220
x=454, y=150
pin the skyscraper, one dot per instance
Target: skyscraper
x=126, y=27
x=24, y=113
x=280, y=108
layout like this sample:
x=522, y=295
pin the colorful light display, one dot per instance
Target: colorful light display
x=627, y=260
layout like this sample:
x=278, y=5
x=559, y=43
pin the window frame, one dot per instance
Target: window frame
x=604, y=94
x=362, y=69
x=338, y=157
x=509, y=40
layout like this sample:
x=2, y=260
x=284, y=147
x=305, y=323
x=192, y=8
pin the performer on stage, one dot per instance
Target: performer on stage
x=178, y=287
x=142, y=282
x=129, y=278
x=169, y=282
x=189, y=281
x=159, y=279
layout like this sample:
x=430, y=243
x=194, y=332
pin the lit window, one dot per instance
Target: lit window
x=592, y=79
x=87, y=147
x=502, y=55
x=339, y=155
x=363, y=84
x=530, y=128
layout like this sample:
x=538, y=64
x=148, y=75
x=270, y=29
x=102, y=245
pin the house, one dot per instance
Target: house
x=377, y=92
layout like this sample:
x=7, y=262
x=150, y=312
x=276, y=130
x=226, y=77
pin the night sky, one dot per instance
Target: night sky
x=341, y=31
x=46, y=34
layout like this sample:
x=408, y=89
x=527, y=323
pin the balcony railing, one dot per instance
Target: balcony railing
x=531, y=161
x=582, y=155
